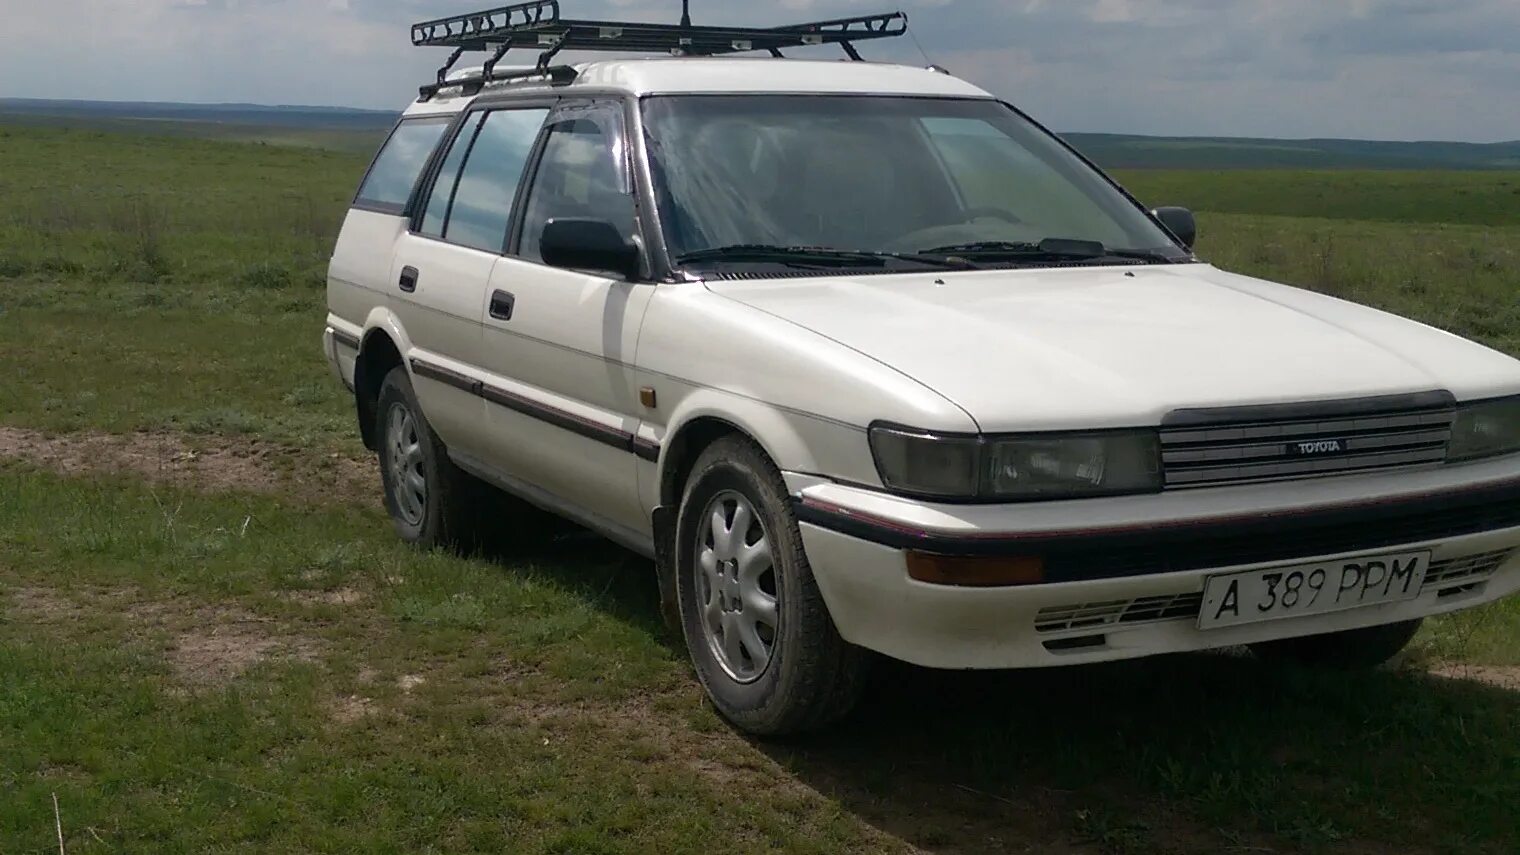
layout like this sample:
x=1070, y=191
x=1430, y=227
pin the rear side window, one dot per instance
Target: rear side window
x=395, y=170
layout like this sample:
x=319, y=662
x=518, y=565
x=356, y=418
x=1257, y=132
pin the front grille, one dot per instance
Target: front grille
x=1466, y=570
x=1244, y=448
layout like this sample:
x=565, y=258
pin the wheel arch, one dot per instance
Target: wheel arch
x=702, y=424
x=382, y=348
x=705, y=418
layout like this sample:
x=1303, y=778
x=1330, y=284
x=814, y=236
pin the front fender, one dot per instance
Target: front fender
x=776, y=431
x=794, y=441
x=805, y=399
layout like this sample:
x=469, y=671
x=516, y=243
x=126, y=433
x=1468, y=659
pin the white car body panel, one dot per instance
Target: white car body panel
x=444, y=312
x=574, y=339
x=1085, y=348
x=360, y=261
x=804, y=366
x=723, y=75
x=702, y=337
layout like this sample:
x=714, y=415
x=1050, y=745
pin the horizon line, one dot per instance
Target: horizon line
x=16, y=99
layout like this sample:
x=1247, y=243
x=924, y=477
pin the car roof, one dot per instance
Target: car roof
x=716, y=76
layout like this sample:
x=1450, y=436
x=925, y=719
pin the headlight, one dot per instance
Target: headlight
x=926, y=464
x=1485, y=430
x=1017, y=468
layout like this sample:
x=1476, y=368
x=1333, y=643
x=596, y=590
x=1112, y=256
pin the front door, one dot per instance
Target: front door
x=562, y=342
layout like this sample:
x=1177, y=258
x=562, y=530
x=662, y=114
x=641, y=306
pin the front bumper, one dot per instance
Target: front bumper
x=1125, y=574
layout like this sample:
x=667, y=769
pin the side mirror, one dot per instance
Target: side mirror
x=594, y=245
x=1180, y=222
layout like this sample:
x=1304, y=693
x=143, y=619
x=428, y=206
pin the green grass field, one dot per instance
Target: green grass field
x=195, y=658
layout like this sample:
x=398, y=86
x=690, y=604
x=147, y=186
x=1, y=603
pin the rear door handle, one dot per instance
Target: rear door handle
x=502, y=304
x=409, y=279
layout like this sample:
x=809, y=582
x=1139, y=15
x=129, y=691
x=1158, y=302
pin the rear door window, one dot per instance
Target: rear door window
x=394, y=173
x=437, y=214
x=472, y=200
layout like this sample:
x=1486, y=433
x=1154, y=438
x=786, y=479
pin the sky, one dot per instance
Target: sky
x=1365, y=69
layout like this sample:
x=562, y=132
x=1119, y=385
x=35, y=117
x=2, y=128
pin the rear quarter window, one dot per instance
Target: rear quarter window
x=390, y=180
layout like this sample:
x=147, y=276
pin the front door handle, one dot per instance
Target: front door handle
x=502, y=304
x=409, y=279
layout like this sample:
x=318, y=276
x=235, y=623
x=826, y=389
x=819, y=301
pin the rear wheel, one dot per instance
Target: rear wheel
x=1349, y=650
x=431, y=501
x=755, y=623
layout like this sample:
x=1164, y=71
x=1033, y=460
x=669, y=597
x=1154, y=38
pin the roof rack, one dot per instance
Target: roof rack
x=538, y=25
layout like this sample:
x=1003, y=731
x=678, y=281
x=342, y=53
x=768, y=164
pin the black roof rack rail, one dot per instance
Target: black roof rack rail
x=538, y=25
x=556, y=75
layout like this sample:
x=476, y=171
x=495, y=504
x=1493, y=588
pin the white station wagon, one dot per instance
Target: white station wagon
x=869, y=362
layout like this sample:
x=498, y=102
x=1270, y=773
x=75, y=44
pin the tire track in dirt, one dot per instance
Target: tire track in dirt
x=209, y=464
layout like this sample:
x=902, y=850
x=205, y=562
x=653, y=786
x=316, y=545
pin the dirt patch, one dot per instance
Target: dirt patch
x=40, y=605
x=339, y=597
x=208, y=644
x=1502, y=677
x=353, y=709
x=215, y=465
x=218, y=645
x=218, y=657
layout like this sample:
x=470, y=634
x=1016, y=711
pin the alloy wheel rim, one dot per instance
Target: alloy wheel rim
x=408, y=482
x=736, y=587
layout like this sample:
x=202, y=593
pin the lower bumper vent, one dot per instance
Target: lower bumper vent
x=1139, y=610
x=1472, y=568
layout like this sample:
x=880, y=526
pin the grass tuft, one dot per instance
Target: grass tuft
x=265, y=277
x=456, y=610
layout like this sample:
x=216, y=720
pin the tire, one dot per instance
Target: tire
x=447, y=513
x=1350, y=650
x=807, y=676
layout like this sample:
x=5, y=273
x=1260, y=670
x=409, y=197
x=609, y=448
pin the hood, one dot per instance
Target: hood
x=1103, y=347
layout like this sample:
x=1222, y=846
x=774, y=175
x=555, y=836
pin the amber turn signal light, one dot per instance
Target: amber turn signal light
x=976, y=572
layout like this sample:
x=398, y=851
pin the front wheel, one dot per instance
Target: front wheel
x=1348, y=650
x=755, y=623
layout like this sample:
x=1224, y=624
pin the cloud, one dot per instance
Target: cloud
x=1402, y=69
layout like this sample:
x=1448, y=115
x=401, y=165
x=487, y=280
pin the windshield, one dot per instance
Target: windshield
x=884, y=175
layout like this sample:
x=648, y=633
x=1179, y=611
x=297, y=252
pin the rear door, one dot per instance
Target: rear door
x=441, y=269
x=561, y=358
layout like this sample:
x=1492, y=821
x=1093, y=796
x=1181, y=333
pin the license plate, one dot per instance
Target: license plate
x=1277, y=593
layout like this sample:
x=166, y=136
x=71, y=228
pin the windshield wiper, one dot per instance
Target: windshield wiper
x=1057, y=249
x=818, y=256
